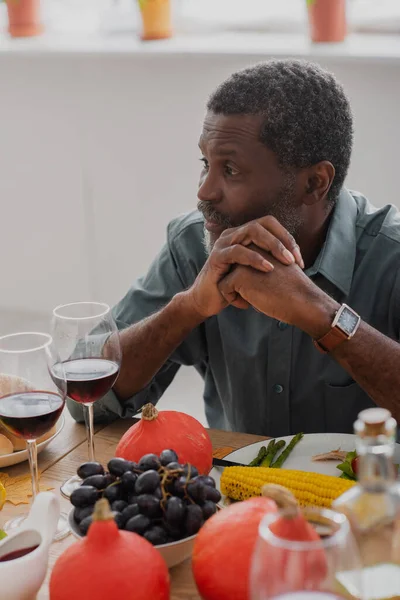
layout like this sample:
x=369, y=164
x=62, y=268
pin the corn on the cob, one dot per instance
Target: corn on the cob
x=310, y=489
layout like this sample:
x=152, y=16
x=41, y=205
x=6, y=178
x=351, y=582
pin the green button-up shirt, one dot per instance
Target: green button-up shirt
x=261, y=375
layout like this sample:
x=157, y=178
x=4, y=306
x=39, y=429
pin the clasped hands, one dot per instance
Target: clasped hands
x=272, y=281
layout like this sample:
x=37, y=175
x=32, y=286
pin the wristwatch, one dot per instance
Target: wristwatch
x=344, y=326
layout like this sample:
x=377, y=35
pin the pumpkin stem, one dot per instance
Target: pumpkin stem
x=102, y=511
x=283, y=497
x=149, y=412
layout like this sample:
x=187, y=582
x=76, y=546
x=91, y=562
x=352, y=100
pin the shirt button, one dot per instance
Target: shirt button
x=282, y=325
x=278, y=388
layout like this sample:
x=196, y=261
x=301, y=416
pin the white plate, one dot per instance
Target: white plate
x=300, y=457
x=7, y=460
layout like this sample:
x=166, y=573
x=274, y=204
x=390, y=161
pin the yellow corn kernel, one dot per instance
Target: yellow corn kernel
x=310, y=489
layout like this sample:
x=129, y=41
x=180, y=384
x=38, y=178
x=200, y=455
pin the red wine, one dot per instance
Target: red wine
x=17, y=553
x=30, y=415
x=88, y=379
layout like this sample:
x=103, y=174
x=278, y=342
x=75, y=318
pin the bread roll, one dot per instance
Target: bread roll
x=19, y=443
x=11, y=384
x=6, y=446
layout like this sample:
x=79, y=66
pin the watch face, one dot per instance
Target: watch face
x=348, y=320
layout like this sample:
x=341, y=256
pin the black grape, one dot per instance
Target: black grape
x=212, y=494
x=173, y=466
x=90, y=468
x=156, y=535
x=85, y=495
x=97, y=481
x=194, y=519
x=128, y=481
x=85, y=524
x=190, y=469
x=197, y=491
x=119, y=519
x=130, y=511
x=209, y=509
x=179, y=488
x=147, y=482
x=174, y=511
x=81, y=513
x=149, y=505
x=168, y=456
x=118, y=466
x=112, y=493
x=138, y=524
x=207, y=480
x=119, y=505
x=149, y=462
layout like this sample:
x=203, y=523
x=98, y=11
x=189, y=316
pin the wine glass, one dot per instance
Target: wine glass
x=31, y=402
x=87, y=341
x=326, y=569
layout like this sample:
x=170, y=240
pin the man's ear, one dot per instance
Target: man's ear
x=318, y=180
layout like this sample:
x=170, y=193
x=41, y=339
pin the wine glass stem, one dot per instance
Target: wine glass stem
x=33, y=464
x=89, y=431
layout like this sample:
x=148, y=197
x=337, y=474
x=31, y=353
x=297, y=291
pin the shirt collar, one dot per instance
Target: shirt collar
x=337, y=256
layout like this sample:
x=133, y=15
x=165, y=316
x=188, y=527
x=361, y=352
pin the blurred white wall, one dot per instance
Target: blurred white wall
x=98, y=153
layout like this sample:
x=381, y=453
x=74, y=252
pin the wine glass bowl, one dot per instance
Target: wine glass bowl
x=31, y=402
x=87, y=341
x=327, y=568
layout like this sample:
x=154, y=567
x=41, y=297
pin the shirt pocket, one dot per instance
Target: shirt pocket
x=342, y=405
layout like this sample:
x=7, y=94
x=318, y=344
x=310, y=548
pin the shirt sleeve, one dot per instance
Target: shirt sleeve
x=165, y=278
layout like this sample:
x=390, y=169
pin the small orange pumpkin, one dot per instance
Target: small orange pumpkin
x=109, y=563
x=160, y=430
x=224, y=548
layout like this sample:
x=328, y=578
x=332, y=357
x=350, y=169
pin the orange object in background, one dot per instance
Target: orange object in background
x=327, y=20
x=156, y=19
x=24, y=18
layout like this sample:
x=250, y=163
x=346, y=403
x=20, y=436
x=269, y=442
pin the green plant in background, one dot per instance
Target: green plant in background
x=310, y=2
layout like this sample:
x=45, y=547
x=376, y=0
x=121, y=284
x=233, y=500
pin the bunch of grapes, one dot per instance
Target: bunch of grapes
x=158, y=498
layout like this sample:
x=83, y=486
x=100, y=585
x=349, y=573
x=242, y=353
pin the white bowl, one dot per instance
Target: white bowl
x=173, y=553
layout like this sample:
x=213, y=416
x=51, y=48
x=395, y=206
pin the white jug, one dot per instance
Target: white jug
x=21, y=578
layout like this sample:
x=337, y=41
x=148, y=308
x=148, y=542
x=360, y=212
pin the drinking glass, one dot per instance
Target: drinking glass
x=31, y=401
x=87, y=341
x=326, y=569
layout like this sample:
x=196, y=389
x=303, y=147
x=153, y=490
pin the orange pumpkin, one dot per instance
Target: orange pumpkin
x=224, y=547
x=160, y=430
x=108, y=564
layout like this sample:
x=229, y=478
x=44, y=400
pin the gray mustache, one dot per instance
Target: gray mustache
x=212, y=215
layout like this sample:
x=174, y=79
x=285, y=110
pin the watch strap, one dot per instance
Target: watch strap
x=331, y=340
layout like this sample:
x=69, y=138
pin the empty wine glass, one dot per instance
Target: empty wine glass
x=31, y=402
x=326, y=569
x=87, y=342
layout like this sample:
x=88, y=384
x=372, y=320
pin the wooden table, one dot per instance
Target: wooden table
x=61, y=459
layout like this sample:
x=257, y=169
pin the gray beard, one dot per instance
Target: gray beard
x=282, y=209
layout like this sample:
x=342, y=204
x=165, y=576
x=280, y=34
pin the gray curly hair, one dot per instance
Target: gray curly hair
x=307, y=116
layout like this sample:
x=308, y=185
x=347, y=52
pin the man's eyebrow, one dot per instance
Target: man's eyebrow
x=223, y=152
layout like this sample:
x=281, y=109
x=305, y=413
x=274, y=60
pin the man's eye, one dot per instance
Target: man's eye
x=205, y=163
x=229, y=170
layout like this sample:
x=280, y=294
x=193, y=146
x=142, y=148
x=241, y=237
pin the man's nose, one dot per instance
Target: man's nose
x=209, y=188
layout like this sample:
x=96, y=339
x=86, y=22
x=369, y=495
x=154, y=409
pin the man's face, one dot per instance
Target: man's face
x=241, y=179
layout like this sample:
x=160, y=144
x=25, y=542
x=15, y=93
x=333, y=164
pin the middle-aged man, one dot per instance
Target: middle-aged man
x=283, y=290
